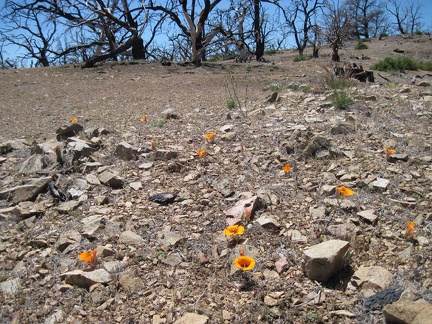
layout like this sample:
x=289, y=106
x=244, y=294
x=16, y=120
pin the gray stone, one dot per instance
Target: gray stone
x=67, y=206
x=99, y=294
x=76, y=149
x=380, y=184
x=192, y=318
x=368, y=215
x=92, y=179
x=224, y=186
x=129, y=237
x=67, y=238
x=137, y=185
x=26, y=192
x=111, y=179
x=268, y=222
x=33, y=164
x=170, y=113
x=173, y=259
x=423, y=84
x=343, y=231
x=146, y=166
x=26, y=209
x=406, y=311
x=171, y=238
x=85, y=279
x=126, y=152
x=318, y=212
x=371, y=280
x=297, y=236
x=325, y=259
x=11, y=286
x=130, y=280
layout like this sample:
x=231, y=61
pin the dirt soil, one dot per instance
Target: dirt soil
x=159, y=282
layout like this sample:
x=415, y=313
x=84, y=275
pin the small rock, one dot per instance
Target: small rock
x=130, y=280
x=342, y=312
x=297, y=236
x=343, y=231
x=397, y=157
x=67, y=238
x=368, y=215
x=192, y=318
x=26, y=192
x=224, y=186
x=382, y=298
x=423, y=84
x=406, y=311
x=33, y=164
x=11, y=287
x=98, y=294
x=325, y=259
x=110, y=179
x=137, y=185
x=282, y=265
x=171, y=238
x=126, y=152
x=268, y=222
x=146, y=166
x=242, y=210
x=129, y=237
x=380, y=184
x=67, y=206
x=27, y=209
x=164, y=198
x=371, y=279
x=85, y=279
x=70, y=130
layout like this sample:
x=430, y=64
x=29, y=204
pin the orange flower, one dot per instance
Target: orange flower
x=234, y=230
x=153, y=145
x=210, y=137
x=73, y=120
x=410, y=228
x=202, y=153
x=143, y=118
x=89, y=257
x=244, y=262
x=286, y=168
x=389, y=151
x=343, y=191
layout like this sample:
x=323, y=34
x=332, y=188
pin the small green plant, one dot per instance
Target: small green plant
x=300, y=58
x=361, y=45
x=270, y=52
x=299, y=87
x=234, y=97
x=401, y=64
x=275, y=87
x=341, y=100
x=418, y=32
x=159, y=123
x=312, y=317
x=231, y=104
x=186, y=292
x=160, y=253
x=334, y=82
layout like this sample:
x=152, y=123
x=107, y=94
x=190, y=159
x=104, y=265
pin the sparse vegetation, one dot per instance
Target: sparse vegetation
x=361, y=45
x=300, y=58
x=270, y=52
x=231, y=104
x=402, y=64
x=341, y=99
x=275, y=87
x=299, y=87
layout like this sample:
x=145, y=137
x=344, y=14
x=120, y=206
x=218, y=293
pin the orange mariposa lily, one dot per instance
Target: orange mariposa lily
x=89, y=257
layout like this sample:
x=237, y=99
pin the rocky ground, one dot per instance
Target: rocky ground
x=96, y=183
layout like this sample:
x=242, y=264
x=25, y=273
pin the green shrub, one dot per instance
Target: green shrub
x=270, y=52
x=298, y=87
x=401, y=64
x=299, y=58
x=341, y=100
x=231, y=104
x=360, y=45
x=419, y=32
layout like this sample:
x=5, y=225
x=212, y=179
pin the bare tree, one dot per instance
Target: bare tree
x=113, y=26
x=300, y=17
x=192, y=24
x=407, y=15
x=337, y=26
x=31, y=32
x=365, y=15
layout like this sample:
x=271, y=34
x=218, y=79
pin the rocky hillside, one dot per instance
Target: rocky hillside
x=114, y=162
